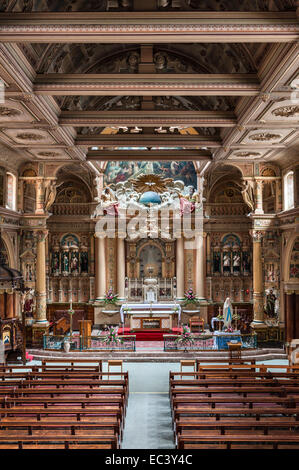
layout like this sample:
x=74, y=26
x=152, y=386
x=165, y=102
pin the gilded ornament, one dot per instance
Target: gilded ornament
x=286, y=111
x=265, y=136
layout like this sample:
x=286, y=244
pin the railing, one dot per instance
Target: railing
x=226, y=209
x=204, y=342
x=90, y=343
x=80, y=208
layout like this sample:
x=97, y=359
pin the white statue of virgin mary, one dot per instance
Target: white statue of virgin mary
x=227, y=313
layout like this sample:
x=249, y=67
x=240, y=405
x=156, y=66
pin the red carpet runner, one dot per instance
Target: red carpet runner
x=147, y=335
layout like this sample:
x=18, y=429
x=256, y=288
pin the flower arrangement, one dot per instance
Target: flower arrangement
x=110, y=297
x=236, y=316
x=229, y=329
x=190, y=297
x=112, y=338
x=219, y=317
x=127, y=309
x=176, y=308
x=186, y=338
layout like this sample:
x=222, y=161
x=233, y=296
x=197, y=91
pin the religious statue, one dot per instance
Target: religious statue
x=270, y=304
x=248, y=195
x=109, y=202
x=216, y=263
x=84, y=262
x=50, y=195
x=246, y=262
x=188, y=201
x=236, y=262
x=227, y=313
x=65, y=260
x=74, y=262
x=29, y=273
x=55, y=262
x=29, y=303
x=226, y=262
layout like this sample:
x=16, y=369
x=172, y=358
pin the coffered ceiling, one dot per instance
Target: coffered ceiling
x=195, y=80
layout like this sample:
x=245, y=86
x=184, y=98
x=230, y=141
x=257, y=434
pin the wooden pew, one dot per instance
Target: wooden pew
x=266, y=426
x=72, y=364
x=46, y=402
x=244, y=441
x=71, y=426
x=241, y=412
x=58, y=442
x=244, y=391
x=213, y=402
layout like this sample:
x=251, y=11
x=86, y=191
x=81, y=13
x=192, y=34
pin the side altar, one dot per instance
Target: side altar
x=152, y=316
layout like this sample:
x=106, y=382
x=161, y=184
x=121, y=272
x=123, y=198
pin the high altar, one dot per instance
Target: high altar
x=154, y=262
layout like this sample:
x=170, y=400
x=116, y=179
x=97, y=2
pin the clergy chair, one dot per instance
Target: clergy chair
x=197, y=322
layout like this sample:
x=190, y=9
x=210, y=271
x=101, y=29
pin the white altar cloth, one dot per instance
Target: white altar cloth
x=156, y=309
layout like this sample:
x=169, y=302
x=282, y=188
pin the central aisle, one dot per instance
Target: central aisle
x=148, y=423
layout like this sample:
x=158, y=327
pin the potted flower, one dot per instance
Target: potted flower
x=186, y=338
x=110, y=297
x=110, y=300
x=190, y=297
x=112, y=338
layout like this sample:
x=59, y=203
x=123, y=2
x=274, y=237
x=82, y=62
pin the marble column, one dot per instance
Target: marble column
x=121, y=268
x=40, y=283
x=39, y=208
x=259, y=197
x=258, y=284
x=200, y=267
x=180, y=268
x=100, y=268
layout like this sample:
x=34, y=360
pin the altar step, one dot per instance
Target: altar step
x=259, y=355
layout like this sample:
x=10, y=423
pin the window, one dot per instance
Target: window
x=11, y=191
x=289, y=190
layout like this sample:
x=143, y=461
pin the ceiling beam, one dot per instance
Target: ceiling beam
x=147, y=140
x=149, y=27
x=147, y=84
x=148, y=155
x=147, y=118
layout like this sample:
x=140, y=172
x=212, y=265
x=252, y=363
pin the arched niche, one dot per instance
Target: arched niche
x=7, y=248
x=150, y=258
x=294, y=262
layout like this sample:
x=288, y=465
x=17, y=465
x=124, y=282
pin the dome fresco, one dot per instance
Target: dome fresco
x=121, y=171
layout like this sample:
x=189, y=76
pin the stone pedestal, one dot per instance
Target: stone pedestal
x=103, y=315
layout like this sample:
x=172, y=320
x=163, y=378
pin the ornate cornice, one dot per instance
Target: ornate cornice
x=149, y=27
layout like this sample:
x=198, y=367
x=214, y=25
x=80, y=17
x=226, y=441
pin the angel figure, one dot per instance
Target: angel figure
x=50, y=195
x=109, y=202
x=248, y=195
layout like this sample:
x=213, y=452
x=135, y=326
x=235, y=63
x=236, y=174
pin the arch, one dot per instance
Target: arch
x=73, y=236
x=287, y=256
x=10, y=250
x=156, y=247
